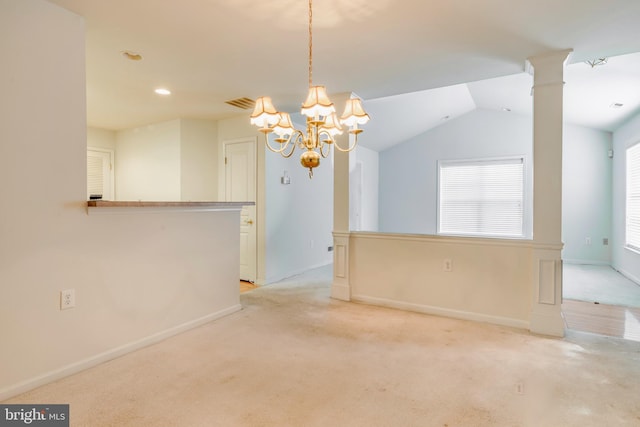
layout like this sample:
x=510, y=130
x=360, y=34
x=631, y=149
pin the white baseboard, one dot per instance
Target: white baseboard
x=90, y=362
x=340, y=292
x=440, y=311
x=293, y=273
x=547, y=324
x=628, y=275
x=585, y=262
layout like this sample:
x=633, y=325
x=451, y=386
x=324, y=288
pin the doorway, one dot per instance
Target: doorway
x=239, y=157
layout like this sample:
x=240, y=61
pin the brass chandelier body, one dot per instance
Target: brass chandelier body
x=322, y=123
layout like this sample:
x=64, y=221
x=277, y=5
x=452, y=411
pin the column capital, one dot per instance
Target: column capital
x=548, y=68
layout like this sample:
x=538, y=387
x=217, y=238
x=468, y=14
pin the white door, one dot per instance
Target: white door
x=240, y=186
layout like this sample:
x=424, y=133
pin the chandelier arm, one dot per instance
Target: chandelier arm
x=322, y=153
x=300, y=141
x=297, y=134
x=277, y=150
x=346, y=150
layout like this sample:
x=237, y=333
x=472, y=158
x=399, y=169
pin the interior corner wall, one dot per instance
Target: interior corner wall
x=624, y=260
x=137, y=278
x=101, y=138
x=198, y=160
x=148, y=163
x=586, y=195
x=409, y=171
x=299, y=216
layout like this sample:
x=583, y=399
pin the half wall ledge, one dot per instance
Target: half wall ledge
x=116, y=207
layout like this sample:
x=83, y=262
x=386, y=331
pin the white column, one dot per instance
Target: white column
x=546, y=313
x=341, y=288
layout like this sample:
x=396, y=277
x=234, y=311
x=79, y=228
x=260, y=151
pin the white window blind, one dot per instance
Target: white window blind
x=100, y=173
x=95, y=177
x=633, y=198
x=481, y=197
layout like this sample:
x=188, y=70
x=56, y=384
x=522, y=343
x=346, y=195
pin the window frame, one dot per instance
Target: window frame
x=524, y=200
x=635, y=245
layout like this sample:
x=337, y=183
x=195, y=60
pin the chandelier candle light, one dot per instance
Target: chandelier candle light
x=322, y=123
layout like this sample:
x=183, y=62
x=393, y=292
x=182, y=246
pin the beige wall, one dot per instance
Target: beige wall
x=490, y=280
x=148, y=162
x=168, y=161
x=101, y=138
x=198, y=160
x=137, y=277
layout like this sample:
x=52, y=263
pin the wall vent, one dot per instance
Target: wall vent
x=244, y=103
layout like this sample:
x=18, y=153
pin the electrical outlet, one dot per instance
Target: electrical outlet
x=605, y=241
x=587, y=241
x=67, y=299
x=330, y=249
x=448, y=265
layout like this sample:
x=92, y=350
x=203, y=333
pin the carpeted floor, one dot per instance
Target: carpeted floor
x=295, y=357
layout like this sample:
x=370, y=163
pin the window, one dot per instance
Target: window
x=481, y=197
x=632, y=233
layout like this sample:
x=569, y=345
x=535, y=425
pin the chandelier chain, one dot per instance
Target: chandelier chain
x=310, y=44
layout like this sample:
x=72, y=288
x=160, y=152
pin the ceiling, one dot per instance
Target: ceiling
x=437, y=58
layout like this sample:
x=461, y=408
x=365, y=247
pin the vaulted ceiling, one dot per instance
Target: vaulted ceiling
x=430, y=57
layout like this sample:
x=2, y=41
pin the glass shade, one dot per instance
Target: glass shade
x=284, y=126
x=264, y=113
x=332, y=125
x=317, y=103
x=354, y=113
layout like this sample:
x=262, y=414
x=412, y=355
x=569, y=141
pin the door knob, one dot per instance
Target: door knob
x=249, y=221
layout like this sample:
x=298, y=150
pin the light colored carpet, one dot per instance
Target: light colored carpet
x=295, y=357
x=599, y=283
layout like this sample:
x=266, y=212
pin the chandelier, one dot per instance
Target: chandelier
x=596, y=62
x=322, y=123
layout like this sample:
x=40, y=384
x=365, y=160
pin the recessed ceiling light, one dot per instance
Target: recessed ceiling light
x=446, y=117
x=506, y=109
x=132, y=55
x=616, y=105
x=163, y=91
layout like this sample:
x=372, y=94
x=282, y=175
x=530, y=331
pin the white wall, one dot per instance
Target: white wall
x=137, y=278
x=198, y=160
x=586, y=195
x=168, y=161
x=148, y=163
x=623, y=259
x=408, y=172
x=366, y=163
x=101, y=138
x=299, y=219
x=408, y=177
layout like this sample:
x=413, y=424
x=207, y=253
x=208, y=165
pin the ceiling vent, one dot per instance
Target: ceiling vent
x=244, y=103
